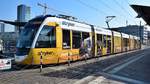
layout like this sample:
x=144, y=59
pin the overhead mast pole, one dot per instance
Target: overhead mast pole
x=44, y=6
x=108, y=19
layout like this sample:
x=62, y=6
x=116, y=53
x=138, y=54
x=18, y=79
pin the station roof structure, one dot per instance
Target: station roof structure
x=143, y=12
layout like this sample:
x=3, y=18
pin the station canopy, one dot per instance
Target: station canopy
x=143, y=12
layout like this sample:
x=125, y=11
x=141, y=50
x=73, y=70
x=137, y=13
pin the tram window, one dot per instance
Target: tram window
x=125, y=42
x=47, y=38
x=99, y=40
x=85, y=35
x=108, y=41
x=134, y=43
x=86, y=39
x=66, y=39
x=99, y=44
x=104, y=40
x=99, y=37
x=128, y=42
x=76, y=39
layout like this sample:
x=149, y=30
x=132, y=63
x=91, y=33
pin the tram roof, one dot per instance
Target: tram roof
x=135, y=37
x=68, y=24
x=118, y=34
x=104, y=31
x=125, y=35
x=76, y=25
x=42, y=17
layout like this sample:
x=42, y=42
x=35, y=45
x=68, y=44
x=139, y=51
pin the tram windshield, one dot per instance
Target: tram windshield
x=27, y=34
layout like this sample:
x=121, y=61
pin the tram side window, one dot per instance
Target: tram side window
x=108, y=41
x=134, y=43
x=86, y=39
x=99, y=39
x=66, y=39
x=47, y=38
x=99, y=44
x=128, y=42
x=76, y=39
x=85, y=35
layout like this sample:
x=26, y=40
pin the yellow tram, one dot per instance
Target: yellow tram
x=58, y=39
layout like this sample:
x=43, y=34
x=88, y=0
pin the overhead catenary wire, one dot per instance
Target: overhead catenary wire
x=94, y=8
x=106, y=5
x=124, y=10
x=83, y=3
x=58, y=11
x=128, y=2
x=91, y=7
x=113, y=10
x=52, y=9
x=61, y=12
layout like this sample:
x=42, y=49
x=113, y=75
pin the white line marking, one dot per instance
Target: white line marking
x=125, y=64
x=121, y=78
x=128, y=79
x=98, y=80
x=116, y=64
x=88, y=78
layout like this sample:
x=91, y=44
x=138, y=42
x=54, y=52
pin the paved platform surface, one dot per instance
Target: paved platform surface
x=133, y=70
x=77, y=71
x=137, y=69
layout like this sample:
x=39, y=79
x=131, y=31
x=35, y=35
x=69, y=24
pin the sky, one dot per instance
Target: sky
x=89, y=11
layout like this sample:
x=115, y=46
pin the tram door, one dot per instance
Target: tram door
x=85, y=48
x=108, y=44
x=125, y=44
x=99, y=44
x=104, y=48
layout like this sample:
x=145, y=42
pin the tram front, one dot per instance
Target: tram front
x=38, y=36
x=25, y=40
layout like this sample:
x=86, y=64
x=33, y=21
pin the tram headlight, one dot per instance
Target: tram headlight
x=20, y=58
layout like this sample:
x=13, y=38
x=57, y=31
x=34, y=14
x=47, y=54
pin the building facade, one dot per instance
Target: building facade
x=140, y=31
x=9, y=38
x=2, y=27
x=23, y=15
x=9, y=41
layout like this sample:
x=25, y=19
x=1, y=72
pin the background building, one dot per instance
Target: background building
x=148, y=38
x=140, y=31
x=23, y=15
x=9, y=42
x=9, y=38
x=2, y=27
